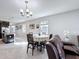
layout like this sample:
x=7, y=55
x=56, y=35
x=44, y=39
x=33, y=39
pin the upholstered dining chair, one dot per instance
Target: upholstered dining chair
x=31, y=42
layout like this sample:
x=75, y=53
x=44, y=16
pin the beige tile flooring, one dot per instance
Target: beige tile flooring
x=18, y=51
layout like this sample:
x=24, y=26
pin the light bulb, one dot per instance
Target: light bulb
x=30, y=13
x=27, y=10
x=21, y=10
x=27, y=15
x=22, y=14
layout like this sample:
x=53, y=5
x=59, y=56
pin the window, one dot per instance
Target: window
x=44, y=27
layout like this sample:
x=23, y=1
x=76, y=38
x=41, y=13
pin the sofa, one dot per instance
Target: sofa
x=57, y=49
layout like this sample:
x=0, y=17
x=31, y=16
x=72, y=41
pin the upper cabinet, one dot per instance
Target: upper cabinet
x=4, y=24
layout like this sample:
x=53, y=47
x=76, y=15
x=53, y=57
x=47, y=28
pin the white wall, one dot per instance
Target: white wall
x=62, y=22
x=65, y=22
x=59, y=23
x=31, y=22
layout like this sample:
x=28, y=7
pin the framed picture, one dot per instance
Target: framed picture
x=37, y=26
x=32, y=26
x=18, y=27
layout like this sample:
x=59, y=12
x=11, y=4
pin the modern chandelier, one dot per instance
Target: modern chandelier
x=27, y=12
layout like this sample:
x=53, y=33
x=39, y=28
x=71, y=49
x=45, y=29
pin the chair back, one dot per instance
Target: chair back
x=50, y=36
x=51, y=51
x=30, y=38
x=59, y=46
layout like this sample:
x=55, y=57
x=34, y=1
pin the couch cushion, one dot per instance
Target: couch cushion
x=71, y=50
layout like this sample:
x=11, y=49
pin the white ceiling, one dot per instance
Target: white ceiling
x=9, y=9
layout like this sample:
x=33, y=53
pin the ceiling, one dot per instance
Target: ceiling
x=9, y=9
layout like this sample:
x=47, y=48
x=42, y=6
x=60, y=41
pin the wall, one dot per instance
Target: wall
x=31, y=22
x=59, y=23
x=20, y=33
x=67, y=21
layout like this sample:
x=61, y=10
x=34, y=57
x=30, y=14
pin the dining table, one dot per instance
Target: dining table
x=40, y=39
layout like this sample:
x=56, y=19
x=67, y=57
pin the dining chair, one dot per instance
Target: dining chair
x=50, y=36
x=31, y=42
x=42, y=45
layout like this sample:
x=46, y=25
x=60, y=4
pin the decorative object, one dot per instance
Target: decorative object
x=32, y=26
x=27, y=11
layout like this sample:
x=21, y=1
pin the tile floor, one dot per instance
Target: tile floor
x=18, y=51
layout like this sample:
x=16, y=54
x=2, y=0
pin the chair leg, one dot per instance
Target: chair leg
x=27, y=48
x=40, y=48
x=37, y=48
x=32, y=50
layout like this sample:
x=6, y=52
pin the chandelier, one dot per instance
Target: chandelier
x=27, y=12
